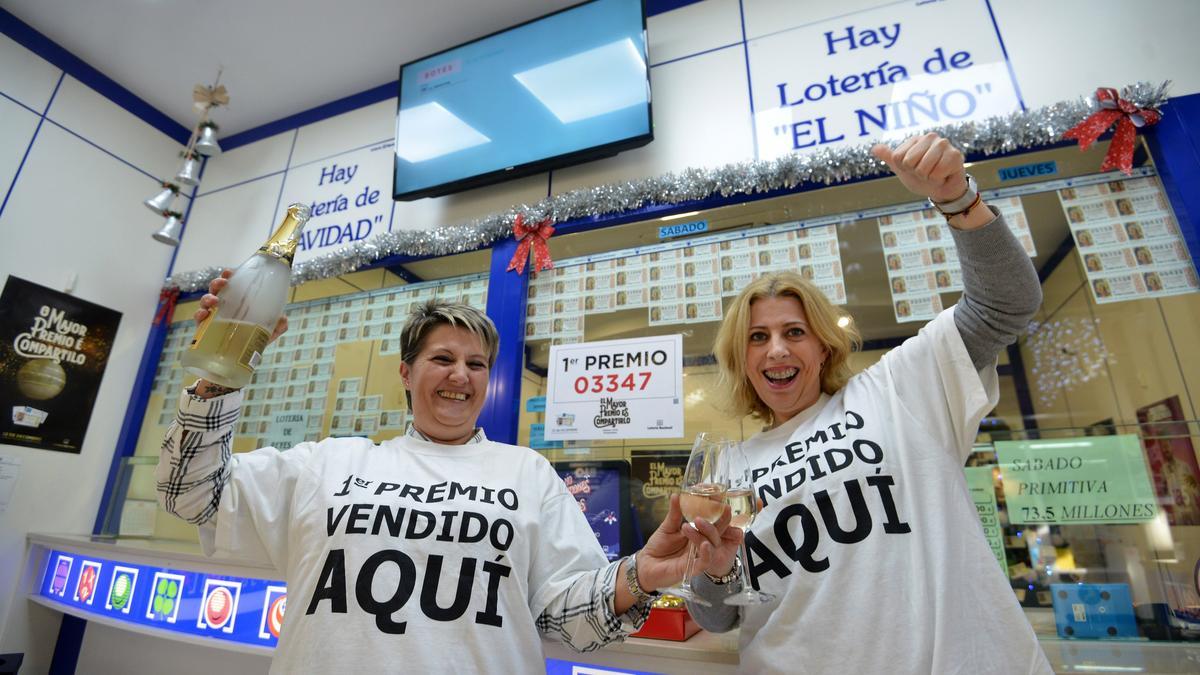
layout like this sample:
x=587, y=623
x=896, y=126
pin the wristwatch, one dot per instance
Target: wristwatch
x=635, y=588
x=733, y=575
x=959, y=206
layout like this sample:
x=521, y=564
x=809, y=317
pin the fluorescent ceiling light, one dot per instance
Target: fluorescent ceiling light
x=591, y=83
x=677, y=216
x=429, y=130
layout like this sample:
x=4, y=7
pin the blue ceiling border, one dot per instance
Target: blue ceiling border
x=29, y=38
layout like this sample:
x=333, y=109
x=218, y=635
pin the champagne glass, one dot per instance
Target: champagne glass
x=743, y=506
x=702, y=497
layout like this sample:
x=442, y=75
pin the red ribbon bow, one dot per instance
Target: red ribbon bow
x=531, y=237
x=166, y=305
x=1128, y=117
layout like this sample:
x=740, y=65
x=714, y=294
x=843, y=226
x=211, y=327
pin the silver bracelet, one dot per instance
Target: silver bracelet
x=732, y=575
x=632, y=583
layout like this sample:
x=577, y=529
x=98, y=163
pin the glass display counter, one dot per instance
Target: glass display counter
x=169, y=589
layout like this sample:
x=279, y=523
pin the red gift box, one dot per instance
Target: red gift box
x=668, y=624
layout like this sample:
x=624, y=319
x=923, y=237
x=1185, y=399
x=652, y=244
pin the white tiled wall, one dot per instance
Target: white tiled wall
x=73, y=216
x=26, y=77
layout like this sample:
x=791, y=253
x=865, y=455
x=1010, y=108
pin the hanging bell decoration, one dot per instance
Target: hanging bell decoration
x=190, y=173
x=161, y=203
x=170, y=231
x=206, y=144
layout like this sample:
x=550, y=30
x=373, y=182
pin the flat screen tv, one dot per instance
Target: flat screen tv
x=566, y=88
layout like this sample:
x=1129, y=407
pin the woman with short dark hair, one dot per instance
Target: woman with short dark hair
x=438, y=550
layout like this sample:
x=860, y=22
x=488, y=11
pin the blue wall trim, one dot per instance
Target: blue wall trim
x=25, y=35
x=749, y=81
x=506, y=307
x=43, y=116
x=321, y=112
x=32, y=139
x=4, y=95
x=700, y=53
x=1175, y=145
x=1012, y=74
x=131, y=428
x=656, y=7
x=241, y=183
x=283, y=183
x=66, y=648
x=110, y=153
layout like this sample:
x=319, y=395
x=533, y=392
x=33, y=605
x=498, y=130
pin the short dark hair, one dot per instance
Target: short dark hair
x=429, y=315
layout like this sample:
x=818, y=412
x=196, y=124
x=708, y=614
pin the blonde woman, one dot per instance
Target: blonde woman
x=867, y=537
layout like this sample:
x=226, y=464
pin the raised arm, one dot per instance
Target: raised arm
x=195, y=463
x=1001, y=288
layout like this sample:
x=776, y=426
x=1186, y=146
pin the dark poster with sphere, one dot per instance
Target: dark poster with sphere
x=53, y=351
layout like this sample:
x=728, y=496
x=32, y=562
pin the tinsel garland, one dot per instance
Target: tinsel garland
x=1001, y=134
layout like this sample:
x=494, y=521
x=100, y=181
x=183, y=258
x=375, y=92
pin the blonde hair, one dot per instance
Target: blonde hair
x=734, y=335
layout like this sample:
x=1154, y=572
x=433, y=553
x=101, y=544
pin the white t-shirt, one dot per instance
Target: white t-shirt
x=408, y=555
x=869, y=538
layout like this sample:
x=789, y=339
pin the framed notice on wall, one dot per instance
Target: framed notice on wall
x=616, y=389
x=53, y=351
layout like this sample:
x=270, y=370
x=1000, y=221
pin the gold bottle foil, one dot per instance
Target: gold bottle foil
x=286, y=238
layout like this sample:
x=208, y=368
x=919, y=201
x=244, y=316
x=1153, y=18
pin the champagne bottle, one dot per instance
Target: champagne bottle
x=228, y=345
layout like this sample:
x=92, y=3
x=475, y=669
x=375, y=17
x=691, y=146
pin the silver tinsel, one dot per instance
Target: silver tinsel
x=992, y=136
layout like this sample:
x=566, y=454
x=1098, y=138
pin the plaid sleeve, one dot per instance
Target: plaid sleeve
x=193, y=466
x=584, y=617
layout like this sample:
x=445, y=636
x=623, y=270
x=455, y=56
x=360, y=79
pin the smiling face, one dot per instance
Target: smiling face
x=783, y=357
x=448, y=382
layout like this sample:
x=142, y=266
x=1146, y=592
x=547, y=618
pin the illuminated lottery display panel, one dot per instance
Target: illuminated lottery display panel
x=237, y=609
x=218, y=607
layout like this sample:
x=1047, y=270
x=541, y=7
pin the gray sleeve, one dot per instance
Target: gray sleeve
x=1001, y=290
x=717, y=617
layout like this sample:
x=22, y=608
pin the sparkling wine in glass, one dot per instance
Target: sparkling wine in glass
x=704, y=501
x=702, y=497
x=743, y=506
